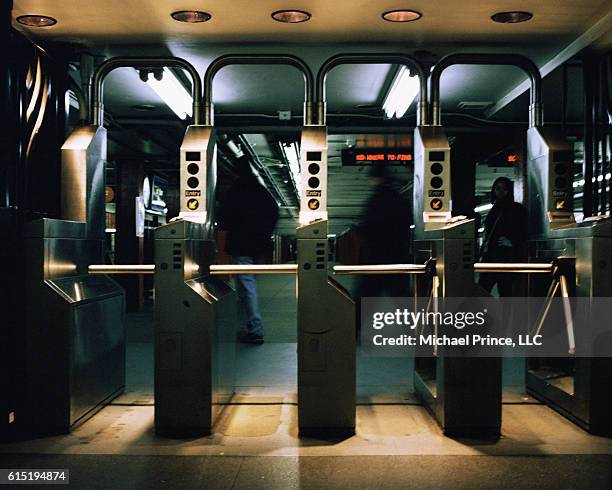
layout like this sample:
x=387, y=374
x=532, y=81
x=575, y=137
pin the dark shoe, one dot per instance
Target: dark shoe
x=251, y=338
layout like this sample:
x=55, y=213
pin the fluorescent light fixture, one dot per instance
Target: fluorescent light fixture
x=172, y=92
x=484, y=207
x=292, y=152
x=404, y=90
x=238, y=153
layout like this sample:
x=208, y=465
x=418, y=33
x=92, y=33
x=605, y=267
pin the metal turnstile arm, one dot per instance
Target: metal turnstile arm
x=559, y=281
x=122, y=269
x=380, y=269
x=253, y=269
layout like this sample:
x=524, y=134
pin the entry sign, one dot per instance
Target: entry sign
x=313, y=171
x=197, y=151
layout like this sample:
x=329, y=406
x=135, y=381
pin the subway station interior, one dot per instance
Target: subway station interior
x=200, y=199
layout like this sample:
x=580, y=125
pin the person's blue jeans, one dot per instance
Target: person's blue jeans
x=248, y=305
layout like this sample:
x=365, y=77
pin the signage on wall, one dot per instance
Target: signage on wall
x=376, y=156
x=109, y=194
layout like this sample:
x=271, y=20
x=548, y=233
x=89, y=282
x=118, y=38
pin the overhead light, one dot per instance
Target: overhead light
x=36, y=20
x=238, y=153
x=191, y=16
x=292, y=152
x=144, y=107
x=483, y=207
x=402, y=15
x=172, y=92
x=404, y=90
x=511, y=17
x=291, y=16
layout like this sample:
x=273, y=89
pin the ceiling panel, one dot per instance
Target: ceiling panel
x=144, y=21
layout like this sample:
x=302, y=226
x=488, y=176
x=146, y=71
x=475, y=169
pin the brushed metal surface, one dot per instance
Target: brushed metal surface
x=326, y=340
x=254, y=269
x=588, y=402
x=74, y=326
x=380, y=269
x=122, y=269
x=83, y=178
x=55, y=228
x=195, y=332
x=544, y=196
x=463, y=394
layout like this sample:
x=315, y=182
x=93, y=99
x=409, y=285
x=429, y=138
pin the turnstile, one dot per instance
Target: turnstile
x=470, y=386
x=577, y=387
x=463, y=393
x=195, y=332
x=75, y=332
x=326, y=340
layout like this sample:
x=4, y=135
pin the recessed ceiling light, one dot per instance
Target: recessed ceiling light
x=36, y=20
x=402, y=15
x=511, y=17
x=191, y=16
x=291, y=16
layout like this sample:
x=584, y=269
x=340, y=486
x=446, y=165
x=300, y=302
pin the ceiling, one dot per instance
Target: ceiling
x=249, y=97
x=239, y=21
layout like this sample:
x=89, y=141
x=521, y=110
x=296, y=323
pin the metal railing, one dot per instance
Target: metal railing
x=122, y=269
x=512, y=267
x=380, y=269
x=216, y=270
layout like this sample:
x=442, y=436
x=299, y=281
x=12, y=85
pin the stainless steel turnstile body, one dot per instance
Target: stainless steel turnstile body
x=578, y=388
x=75, y=332
x=195, y=332
x=326, y=340
x=463, y=394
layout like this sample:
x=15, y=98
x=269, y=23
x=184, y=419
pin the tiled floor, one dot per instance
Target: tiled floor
x=256, y=445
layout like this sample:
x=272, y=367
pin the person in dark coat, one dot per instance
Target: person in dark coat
x=248, y=213
x=385, y=238
x=505, y=236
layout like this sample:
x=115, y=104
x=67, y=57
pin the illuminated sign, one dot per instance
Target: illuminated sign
x=313, y=204
x=370, y=156
x=512, y=159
